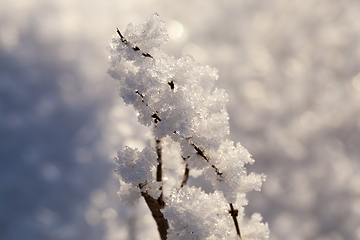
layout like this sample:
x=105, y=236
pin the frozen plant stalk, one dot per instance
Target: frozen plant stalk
x=188, y=115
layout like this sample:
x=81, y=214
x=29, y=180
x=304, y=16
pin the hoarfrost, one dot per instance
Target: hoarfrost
x=179, y=100
x=128, y=193
x=134, y=167
x=193, y=214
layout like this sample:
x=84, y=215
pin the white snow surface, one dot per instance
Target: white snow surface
x=291, y=72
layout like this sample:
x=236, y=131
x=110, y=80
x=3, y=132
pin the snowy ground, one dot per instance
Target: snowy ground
x=291, y=69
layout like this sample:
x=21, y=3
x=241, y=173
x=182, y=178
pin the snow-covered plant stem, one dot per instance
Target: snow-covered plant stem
x=190, y=127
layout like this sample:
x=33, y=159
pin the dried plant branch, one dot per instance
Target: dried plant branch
x=202, y=154
x=186, y=172
x=159, y=170
x=158, y=216
x=234, y=213
x=159, y=160
x=151, y=112
x=135, y=48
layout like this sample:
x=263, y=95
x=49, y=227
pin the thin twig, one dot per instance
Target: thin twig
x=135, y=48
x=186, y=172
x=159, y=160
x=158, y=216
x=202, y=154
x=159, y=171
x=142, y=96
x=234, y=213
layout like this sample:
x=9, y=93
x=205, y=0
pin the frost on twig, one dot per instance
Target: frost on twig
x=190, y=125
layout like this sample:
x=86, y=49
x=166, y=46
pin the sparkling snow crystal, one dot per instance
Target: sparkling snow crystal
x=135, y=167
x=209, y=211
x=178, y=99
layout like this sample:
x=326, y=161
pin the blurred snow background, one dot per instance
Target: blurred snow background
x=291, y=69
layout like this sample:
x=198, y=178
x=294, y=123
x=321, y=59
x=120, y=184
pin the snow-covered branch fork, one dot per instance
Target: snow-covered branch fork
x=190, y=127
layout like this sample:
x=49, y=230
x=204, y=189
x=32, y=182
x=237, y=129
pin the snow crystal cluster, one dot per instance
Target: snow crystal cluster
x=177, y=98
